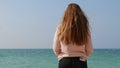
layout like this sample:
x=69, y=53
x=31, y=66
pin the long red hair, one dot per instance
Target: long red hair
x=74, y=28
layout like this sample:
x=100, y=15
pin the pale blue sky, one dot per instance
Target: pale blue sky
x=32, y=23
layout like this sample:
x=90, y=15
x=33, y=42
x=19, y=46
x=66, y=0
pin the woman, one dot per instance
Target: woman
x=72, y=41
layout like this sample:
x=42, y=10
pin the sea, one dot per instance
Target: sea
x=45, y=58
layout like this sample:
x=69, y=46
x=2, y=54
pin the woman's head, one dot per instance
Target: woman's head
x=74, y=27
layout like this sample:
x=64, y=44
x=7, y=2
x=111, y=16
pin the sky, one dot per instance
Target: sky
x=32, y=23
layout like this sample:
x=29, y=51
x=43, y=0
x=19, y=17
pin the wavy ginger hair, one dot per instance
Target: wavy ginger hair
x=74, y=28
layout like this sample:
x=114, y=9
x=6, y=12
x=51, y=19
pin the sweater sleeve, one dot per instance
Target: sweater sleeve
x=89, y=47
x=56, y=44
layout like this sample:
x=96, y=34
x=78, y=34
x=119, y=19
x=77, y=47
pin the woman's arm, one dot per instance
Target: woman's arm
x=89, y=47
x=56, y=44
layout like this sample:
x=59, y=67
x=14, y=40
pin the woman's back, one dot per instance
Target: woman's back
x=71, y=50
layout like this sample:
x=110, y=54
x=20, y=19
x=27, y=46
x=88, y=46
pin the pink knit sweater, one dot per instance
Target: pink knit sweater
x=61, y=50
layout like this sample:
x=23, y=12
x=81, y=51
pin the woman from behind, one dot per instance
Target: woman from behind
x=72, y=41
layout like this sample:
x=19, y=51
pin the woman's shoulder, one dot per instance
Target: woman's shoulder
x=58, y=27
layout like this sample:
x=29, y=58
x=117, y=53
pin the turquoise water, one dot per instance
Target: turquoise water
x=44, y=58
